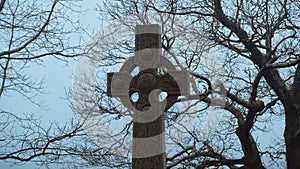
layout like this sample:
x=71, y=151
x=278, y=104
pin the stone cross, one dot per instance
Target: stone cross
x=156, y=75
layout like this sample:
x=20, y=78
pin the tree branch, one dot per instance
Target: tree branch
x=284, y=64
x=2, y=4
x=56, y=53
x=152, y=6
x=21, y=47
x=296, y=84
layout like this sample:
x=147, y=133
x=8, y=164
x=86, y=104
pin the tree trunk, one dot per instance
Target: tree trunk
x=292, y=131
x=292, y=124
x=252, y=157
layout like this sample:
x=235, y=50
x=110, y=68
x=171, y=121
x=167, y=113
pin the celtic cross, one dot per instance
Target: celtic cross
x=156, y=75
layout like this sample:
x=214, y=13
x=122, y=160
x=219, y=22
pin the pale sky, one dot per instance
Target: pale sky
x=58, y=80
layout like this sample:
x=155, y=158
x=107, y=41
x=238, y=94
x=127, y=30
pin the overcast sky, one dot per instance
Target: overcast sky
x=58, y=79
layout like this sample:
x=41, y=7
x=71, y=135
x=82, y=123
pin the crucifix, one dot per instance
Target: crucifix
x=141, y=92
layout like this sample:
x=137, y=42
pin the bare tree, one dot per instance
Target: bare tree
x=30, y=31
x=258, y=43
